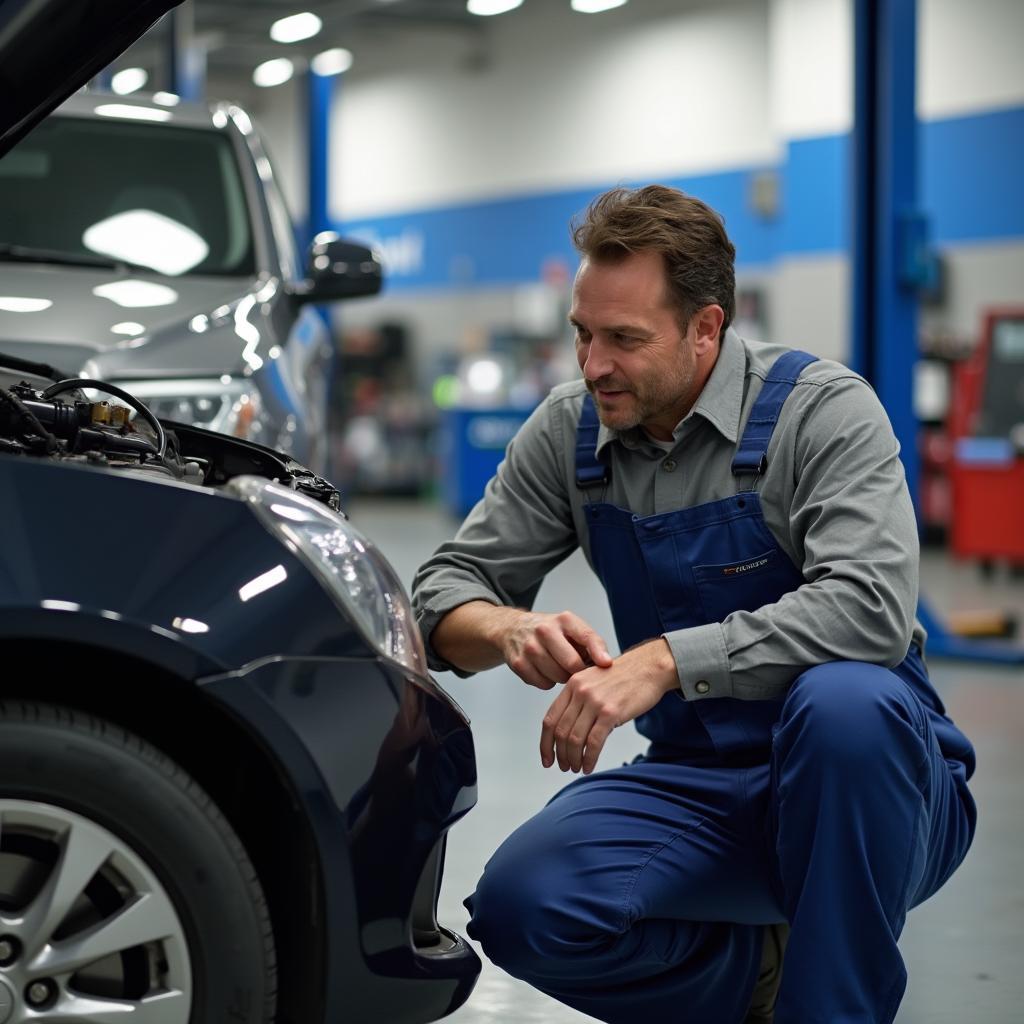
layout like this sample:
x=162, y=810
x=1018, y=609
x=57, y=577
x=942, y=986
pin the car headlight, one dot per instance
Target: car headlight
x=358, y=576
x=227, y=405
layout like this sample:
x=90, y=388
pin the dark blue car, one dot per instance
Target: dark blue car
x=226, y=776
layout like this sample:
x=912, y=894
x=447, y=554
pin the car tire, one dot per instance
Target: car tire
x=121, y=881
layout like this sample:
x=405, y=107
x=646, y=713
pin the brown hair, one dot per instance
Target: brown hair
x=689, y=235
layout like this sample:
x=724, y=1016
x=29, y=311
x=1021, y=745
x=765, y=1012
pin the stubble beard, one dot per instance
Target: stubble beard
x=652, y=400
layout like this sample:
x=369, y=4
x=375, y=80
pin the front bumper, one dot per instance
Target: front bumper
x=382, y=764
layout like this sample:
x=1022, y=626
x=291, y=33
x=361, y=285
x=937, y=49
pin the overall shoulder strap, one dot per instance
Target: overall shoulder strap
x=752, y=452
x=590, y=471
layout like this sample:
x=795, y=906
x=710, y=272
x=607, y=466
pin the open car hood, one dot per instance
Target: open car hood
x=51, y=48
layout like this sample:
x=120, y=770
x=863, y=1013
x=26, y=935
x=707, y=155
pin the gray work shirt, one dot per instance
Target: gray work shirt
x=834, y=496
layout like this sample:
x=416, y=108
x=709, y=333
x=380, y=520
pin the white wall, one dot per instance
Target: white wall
x=565, y=101
x=810, y=67
x=659, y=88
x=811, y=86
x=969, y=56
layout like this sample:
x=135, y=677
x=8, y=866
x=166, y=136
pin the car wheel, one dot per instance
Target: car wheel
x=124, y=893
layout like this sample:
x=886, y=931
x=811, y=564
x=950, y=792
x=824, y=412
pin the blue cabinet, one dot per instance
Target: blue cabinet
x=473, y=442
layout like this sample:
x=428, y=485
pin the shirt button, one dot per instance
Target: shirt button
x=703, y=686
x=668, y=465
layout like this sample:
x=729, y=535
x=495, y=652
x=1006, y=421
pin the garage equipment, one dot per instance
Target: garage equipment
x=892, y=262
x=987, y=427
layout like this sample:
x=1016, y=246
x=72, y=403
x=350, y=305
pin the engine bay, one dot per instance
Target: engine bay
x=118, y=432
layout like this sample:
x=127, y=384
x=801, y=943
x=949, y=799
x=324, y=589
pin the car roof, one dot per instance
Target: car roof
x=184, y=114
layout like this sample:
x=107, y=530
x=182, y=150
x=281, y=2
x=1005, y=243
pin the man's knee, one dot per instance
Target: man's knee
x=844, y=710
x=525, y=924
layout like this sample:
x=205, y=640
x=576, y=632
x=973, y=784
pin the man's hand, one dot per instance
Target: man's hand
x=547, y=649
x=595, y=700
x=541, y=649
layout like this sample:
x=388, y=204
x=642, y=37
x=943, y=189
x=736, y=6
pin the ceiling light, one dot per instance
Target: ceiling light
x=488, y=7
x=594, y=6
x=166, y=99
x=273, y=72
x=132, y=113
x=298, y=26
x=129, y=80
x=332, y=62
x=18, y=304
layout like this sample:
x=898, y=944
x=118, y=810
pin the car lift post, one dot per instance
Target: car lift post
x=319, y=94
x=891, y=258
x=185, y=55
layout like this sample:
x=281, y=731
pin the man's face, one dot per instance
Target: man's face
x=638, y=363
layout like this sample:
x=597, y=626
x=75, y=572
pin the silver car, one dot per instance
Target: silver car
x=149, y=246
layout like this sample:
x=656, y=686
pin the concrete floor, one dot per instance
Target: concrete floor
x=963, y=948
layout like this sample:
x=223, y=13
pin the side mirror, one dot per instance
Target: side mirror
x=337, y=269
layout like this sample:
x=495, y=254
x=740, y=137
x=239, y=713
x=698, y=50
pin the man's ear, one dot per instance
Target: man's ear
x=708, y=326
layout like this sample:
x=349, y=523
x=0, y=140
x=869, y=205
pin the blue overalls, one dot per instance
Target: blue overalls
x=640, y=893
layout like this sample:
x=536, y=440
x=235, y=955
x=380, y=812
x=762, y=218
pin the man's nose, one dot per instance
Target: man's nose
x=598, y=362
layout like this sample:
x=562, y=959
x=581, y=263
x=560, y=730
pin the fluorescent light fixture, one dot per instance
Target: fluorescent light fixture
x=132, y=113
x=485, y=8
x=129, y=80
x=62, y=606
x=166, y=99
x=132, y=294
x=594, y=6
x=263, y=583
x=273, y=72
x=129, y=327
x=147, y=238
x=332, y=62
x=295, y=27
x=17, y=304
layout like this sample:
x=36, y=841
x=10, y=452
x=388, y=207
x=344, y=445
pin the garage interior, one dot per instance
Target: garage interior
x=459, y=145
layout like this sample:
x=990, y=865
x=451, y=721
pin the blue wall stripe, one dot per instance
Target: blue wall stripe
x=816, y=214
x=972, y=176
x=970, y=188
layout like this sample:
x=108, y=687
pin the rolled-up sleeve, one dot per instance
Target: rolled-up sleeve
x=851, y=531
x=519, y=531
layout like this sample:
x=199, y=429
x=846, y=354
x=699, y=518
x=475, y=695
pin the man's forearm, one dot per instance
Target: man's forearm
x=471, y=635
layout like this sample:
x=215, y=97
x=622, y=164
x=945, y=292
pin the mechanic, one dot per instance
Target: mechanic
x=745, y=508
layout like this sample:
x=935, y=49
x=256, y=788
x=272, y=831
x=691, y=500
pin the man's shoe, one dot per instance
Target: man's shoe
x=762, y=1002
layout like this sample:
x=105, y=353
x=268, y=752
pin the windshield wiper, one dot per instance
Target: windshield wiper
x=33, y=254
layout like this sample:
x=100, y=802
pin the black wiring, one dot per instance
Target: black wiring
x=74, y=383
x=30, y=417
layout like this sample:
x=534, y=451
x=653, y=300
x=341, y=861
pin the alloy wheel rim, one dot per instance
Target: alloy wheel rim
x=91, y=933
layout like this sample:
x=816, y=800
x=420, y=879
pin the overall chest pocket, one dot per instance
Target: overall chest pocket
x=744, y=585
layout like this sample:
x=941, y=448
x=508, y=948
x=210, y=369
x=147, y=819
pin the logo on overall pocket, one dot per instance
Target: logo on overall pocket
x=737, y=570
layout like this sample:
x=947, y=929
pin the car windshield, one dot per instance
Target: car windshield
x=79, y=190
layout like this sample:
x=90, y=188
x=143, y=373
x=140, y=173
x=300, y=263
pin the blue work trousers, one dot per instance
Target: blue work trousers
x=639, y=893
